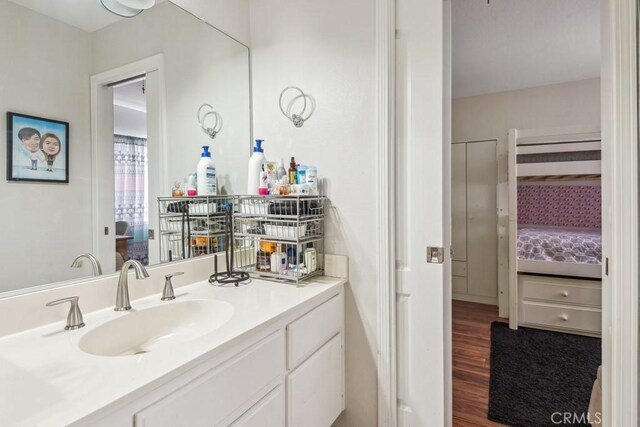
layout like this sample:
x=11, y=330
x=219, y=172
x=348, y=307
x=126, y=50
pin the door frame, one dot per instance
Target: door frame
x=619, y=94
x=99, y=82
x=386, y=236
x=620, y=229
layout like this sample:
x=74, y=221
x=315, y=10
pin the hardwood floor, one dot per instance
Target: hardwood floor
x=471, y=349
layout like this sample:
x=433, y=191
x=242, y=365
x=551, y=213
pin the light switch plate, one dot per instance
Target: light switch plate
x=152, y=234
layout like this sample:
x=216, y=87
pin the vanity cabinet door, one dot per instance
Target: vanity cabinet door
x=268, y=412
x=315, y=389
x=209, y=399
x=308, y=333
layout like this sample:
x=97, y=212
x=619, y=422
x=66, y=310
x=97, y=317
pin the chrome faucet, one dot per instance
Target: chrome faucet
x=95, y=264
x=122, y=297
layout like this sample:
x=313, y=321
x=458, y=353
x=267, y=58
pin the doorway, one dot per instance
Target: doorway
x=131, y=187
x=525, y=65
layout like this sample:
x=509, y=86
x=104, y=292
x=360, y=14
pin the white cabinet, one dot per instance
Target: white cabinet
x=562, y=304
x=209, y=399
x=268, y=412
x=288, y=374
x=314, y=389
x=474, y=221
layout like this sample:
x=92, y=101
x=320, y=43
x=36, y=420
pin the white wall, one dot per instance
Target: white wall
x=489, y=117
x=229, y=16
x=54, y=63
x=328, y=49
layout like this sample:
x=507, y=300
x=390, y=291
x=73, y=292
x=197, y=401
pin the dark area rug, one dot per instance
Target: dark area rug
x=536, y=373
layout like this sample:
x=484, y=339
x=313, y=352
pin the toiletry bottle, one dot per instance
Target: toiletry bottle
x=256, y=161
x=301, y=175
x=192, y=185
x=278, y=261
x=263, y=188
x=310, y=259
x=206, y=174
x=293, y=171
x=281, y=172
x=312, y=180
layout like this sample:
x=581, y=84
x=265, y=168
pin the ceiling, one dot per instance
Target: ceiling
x=87, y=15
x=514, y=44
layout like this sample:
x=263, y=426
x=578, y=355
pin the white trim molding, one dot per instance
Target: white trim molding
x=385, y=49
x=620, y=213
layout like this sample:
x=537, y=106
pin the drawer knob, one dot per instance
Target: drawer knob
x=564, y=317
x=565, y=294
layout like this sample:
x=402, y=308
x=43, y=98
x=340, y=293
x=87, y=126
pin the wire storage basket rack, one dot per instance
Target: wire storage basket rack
x=192, y=226
x=280, y=237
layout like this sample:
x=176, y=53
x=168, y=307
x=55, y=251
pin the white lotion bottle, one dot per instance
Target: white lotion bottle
x=256, y=161
x=206, y=174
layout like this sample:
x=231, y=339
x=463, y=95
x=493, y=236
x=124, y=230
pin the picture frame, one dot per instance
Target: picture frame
x=37, y=149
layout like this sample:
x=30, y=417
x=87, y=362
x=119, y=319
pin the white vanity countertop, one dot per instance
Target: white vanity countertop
x=46, y=380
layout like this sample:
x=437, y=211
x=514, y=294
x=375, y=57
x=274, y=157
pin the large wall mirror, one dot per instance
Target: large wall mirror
x=128, y=90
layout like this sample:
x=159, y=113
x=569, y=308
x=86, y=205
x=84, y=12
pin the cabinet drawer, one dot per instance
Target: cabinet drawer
x=459, y=285
x=209, y=399
x=561, y=290
x=459, y=268
x=314, y=389
x=311, y=331
x=561, y=317
x=268, y=412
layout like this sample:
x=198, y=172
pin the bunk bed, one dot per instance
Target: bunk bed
x=555, y=244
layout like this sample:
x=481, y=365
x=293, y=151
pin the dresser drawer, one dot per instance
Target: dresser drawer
x=560, y=290
x=558, y=316
x=313, y=330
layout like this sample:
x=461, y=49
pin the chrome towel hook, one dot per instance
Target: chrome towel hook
x=297, y=119
x=217, y=124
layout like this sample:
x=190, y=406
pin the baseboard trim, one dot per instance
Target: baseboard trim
x=476, y=298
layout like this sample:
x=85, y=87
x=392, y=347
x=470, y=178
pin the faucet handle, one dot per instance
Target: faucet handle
x=74, y=318
x=167, y=292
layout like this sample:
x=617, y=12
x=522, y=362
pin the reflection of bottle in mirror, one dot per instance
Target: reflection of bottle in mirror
x=281, y=172
x=206, y=174
x=256, y=161
x=191, y=185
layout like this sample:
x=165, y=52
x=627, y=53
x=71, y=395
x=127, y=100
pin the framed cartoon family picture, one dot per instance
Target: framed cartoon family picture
x=37, y=149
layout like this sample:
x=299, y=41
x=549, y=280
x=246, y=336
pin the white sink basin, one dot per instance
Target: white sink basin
x=147, y=330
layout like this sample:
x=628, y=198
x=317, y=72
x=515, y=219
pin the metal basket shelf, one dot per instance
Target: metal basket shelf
x=278, y=238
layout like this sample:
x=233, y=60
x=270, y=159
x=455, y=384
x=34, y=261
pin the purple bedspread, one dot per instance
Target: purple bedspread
x=559, y=244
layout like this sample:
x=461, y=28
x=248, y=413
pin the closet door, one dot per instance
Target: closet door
x=482, y=240
x=459, y=217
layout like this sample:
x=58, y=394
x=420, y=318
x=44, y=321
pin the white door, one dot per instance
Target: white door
x=422, y=212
